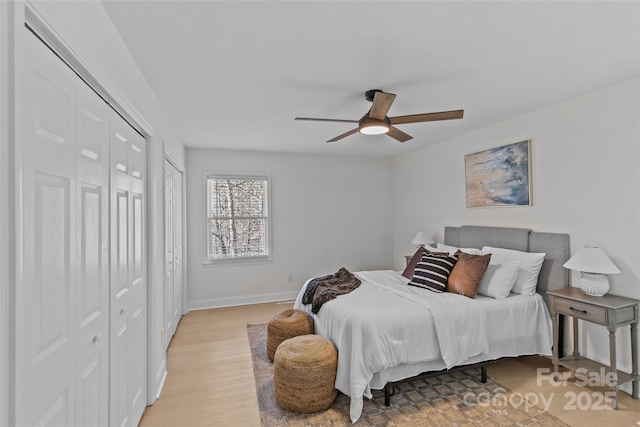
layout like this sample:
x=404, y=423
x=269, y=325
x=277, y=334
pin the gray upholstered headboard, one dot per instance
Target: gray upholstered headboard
x=554, y=245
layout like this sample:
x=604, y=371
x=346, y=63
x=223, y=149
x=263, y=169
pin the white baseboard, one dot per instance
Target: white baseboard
x=241, y=300
x=161, y=377
x=164, y=377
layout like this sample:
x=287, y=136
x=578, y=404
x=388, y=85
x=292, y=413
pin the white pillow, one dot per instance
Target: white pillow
x=530, y=265
x=452, y=250
x=499, y=279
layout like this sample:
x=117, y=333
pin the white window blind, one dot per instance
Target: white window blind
x=237, y=217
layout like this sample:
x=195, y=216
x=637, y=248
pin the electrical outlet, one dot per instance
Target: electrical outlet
x=291, y=278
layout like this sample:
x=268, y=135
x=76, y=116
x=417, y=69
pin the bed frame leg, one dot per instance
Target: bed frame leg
x=387, y=394
x=483, y=374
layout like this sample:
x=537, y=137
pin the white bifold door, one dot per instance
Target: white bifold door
x=173, y=249
x=80, y=318
x=128, y=275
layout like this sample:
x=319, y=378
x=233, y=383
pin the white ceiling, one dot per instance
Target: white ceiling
x=234, y=75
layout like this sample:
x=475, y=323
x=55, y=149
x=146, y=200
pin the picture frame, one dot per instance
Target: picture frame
x=499, y=176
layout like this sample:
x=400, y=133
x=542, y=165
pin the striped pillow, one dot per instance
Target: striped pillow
x=433, y=271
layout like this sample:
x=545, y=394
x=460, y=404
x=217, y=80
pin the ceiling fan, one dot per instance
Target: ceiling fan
x=376, y=122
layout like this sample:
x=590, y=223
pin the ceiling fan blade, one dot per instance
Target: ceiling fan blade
x=351, y=132
x=427, y=117
x=398, y=134
x=381, y=103
x=326, y=120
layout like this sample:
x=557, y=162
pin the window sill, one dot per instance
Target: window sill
x=237, y=261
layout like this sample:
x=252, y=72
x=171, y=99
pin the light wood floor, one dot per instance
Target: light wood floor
x=210, y=379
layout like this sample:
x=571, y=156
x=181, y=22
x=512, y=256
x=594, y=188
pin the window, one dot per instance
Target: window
x=237, y=217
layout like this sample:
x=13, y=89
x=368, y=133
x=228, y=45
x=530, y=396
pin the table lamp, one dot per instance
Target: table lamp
x=421, y=239
x=593, y=265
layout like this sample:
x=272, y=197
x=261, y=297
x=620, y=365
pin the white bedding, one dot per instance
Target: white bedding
x=386, y=330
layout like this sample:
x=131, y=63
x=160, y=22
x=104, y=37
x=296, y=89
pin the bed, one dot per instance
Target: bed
x=387, y=332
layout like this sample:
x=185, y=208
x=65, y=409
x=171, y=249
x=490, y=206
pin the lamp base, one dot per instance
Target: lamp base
x=594, y=284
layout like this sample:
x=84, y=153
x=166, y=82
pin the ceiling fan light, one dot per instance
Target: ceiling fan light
x=369, y=126
x=374, y=129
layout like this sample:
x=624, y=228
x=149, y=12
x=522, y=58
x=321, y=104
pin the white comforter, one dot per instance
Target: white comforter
x=385, y=323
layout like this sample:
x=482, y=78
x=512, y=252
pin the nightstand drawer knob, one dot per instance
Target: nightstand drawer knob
x=578, y=311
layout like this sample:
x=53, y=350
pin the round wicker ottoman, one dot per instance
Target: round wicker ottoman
x=304, y=374
x=287, y=324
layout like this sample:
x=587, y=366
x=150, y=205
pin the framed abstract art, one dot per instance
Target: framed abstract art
x=499, y=176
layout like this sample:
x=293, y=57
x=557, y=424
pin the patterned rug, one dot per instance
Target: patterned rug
x=456, y=399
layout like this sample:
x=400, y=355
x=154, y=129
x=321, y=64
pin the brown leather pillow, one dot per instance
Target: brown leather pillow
x=467, y=273
x=411, y=267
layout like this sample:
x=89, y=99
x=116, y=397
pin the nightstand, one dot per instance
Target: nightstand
x=408, y=257
x=611, y=311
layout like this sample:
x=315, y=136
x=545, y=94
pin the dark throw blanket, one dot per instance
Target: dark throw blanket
x=326, y=288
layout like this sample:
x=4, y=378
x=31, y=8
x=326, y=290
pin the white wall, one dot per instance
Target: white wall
x=327, y=212
x=586, y=182
x=86, y=27
x=5, y=33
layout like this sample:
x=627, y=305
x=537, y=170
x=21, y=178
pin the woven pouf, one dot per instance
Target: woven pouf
x=287, y=324
x=304, y=374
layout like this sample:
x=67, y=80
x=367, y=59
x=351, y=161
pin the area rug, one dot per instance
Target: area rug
x=456, y=399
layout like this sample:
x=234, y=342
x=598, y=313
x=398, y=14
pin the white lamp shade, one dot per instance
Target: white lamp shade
x=420, y=239
x=591, y=260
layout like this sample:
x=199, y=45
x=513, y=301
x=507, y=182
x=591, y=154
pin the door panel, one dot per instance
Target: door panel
x=137, y=363
x=57, y=413
x=168, y=251
x=177, y=246
x=173, y=249
x=120, y=407
x=120, y=346
x=53, y=109
x=91, y=382
x=46, y=213
x=128, y=275
x=92, y=293
x=52, y=265
x=138, y=360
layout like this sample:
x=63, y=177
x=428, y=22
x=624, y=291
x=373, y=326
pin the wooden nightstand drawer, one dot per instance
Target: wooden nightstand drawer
x=582, y=311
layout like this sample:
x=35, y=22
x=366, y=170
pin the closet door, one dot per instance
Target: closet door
x=62, y=306
x=177, y=247
x=173, y=249
x=47, y=259
x=80, y=317
x=168, y=251
x=92, y=287
x=128, y=275
x=138, y=301
x=121, y=274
